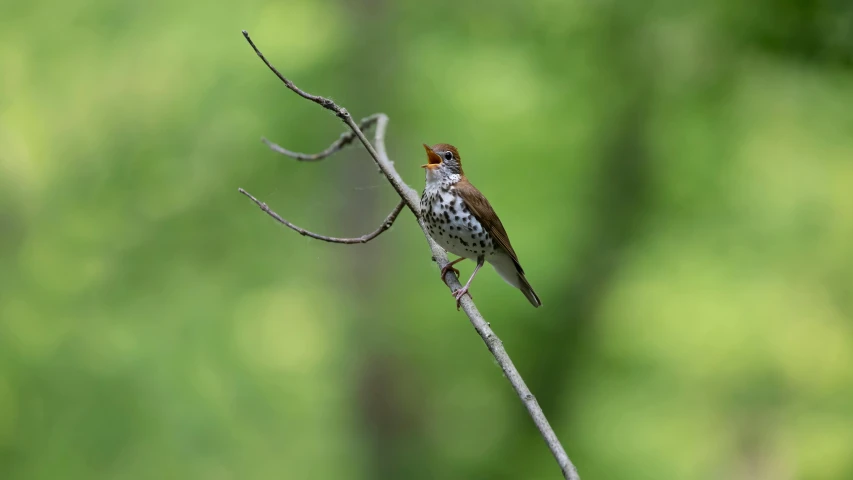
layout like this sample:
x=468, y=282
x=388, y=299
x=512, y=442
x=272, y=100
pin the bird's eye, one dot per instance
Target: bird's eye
x=448, y=156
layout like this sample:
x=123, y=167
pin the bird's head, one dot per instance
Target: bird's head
x=443, y=162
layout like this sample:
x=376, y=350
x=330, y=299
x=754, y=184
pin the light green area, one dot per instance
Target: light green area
x=677, y=179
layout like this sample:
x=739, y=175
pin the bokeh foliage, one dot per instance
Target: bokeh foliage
x=676, y=178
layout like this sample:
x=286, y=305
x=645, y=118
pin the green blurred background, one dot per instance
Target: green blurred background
x=676, y=178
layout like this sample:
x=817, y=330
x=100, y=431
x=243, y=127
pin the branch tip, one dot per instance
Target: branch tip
x=385, y=225
x=343, y=140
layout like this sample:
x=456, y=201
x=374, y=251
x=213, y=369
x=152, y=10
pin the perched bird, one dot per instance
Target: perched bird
x=461, y=220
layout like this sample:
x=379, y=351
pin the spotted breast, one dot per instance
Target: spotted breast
x=452, y=225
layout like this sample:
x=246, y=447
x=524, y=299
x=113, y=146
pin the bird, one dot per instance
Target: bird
x=461, y=220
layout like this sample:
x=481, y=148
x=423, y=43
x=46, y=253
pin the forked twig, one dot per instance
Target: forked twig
x=410, y=197
x=386, y=224
x=345, y=139
x=407, y=193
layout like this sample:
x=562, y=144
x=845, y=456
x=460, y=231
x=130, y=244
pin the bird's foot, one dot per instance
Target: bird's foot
x=458, y=294
x=448, y=268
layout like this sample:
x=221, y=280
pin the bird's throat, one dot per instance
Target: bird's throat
x=440, y=177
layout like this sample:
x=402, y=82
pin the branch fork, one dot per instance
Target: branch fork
x=409, y=198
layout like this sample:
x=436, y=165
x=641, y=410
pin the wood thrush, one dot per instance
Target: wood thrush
x=462, y=221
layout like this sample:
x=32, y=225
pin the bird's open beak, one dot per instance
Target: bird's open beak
x=432, y=157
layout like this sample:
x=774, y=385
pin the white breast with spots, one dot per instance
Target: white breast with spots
x=452, y=225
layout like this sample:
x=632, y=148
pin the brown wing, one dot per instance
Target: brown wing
x=484, y=212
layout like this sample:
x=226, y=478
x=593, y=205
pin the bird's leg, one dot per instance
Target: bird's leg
x=462, y=291
x=449, y=267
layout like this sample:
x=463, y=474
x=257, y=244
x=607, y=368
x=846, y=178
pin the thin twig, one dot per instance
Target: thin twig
x=345, y=139
x=386, y=224
x=322, y=101
x=410, y=197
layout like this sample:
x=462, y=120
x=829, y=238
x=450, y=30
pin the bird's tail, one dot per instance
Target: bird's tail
x=527, y=290
x=510, y=271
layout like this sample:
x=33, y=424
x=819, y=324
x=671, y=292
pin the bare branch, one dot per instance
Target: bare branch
x=411, y=199
x=322, y=101
x=386, y=224
x=386, y=166
x=344, y=140
x=406, y=192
